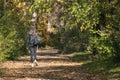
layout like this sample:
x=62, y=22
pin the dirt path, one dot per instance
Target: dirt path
x=51, y=66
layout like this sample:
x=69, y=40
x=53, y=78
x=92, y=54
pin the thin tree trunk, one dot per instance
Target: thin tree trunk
x=4, y=4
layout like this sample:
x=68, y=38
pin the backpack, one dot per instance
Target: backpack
x=37, y=40
x=34, y=40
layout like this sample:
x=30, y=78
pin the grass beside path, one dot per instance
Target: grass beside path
x=105, y=67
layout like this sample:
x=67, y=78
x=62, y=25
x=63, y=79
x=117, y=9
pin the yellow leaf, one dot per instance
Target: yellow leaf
x=60, y=1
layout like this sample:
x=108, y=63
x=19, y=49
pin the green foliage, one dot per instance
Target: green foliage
x=78, y=17
x=83, y=15
x=1, y=9
x=41, y=6
x=12, y=36
x=100, y=46
x=14, y=25
x=116, y=46
x=104, y=40
x=107, y=67
x=87, y=25
x=98, y=18
x=71, y=40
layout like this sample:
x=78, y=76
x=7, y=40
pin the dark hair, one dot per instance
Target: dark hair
x=32, y=27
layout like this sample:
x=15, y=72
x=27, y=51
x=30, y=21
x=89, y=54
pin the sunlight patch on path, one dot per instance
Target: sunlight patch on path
x=12, y=64
x=44, y=60
x=51, y=66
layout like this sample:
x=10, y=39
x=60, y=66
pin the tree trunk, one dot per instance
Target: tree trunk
x=4, y=3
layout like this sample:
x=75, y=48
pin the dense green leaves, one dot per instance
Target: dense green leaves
x=13, y=33
x=76, y=25
x=98, y=18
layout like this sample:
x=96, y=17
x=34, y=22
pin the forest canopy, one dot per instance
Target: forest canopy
x=68, y=25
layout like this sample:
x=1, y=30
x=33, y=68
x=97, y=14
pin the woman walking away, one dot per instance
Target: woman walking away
x=33, y=40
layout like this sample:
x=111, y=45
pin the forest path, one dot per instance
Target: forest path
x=51, y=66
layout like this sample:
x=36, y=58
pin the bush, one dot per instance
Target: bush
x=100, y=45
x=72, y=40
x=12, y=37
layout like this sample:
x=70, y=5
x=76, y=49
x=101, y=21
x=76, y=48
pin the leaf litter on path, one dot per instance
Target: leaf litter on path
x=51, y=66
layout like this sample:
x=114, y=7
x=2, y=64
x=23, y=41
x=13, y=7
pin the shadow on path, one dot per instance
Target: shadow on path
x=51, y=73
x=52, y=66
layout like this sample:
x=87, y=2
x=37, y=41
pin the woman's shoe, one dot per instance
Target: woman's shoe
x=33, y=64
x=36, y=62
